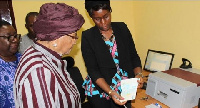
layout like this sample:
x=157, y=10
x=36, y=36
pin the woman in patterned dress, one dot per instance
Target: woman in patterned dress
x=110, y=56
x=9, y=59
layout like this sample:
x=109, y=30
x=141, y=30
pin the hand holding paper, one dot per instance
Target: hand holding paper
x=129, y=88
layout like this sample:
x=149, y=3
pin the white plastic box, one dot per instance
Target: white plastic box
x=174, y=91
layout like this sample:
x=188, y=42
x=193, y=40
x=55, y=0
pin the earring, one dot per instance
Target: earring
x=55, y=45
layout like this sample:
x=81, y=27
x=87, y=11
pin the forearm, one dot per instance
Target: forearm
x=137, y=70
x=138, y=74
x=113, y=94
x=103, y=85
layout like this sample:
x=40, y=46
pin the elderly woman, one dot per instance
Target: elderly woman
x=42, y=80
x=9, y=58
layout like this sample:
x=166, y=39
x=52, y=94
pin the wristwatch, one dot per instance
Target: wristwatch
x=140, y=74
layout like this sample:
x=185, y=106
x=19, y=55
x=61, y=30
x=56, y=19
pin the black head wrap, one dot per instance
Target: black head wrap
x=90, y=4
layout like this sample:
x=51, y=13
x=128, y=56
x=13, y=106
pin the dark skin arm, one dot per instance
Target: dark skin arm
x=141, y=81
x=103, y=85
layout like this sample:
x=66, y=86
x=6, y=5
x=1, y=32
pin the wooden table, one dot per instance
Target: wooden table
x=139, y=103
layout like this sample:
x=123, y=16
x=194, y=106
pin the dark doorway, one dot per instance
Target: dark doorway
x=6, y=12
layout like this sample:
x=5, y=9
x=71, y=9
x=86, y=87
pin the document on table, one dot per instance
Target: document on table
x=129, y=88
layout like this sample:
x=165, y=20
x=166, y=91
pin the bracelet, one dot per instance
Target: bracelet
x=110, y=92
x=140, y=73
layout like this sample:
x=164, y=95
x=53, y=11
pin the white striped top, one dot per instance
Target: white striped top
x=42, y=81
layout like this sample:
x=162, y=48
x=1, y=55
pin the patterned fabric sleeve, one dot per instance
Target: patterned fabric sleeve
x=7, y=73
x=42, y=81
x=37, y=92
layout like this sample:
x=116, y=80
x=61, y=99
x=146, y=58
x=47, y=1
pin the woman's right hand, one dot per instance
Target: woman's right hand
x=117, y=98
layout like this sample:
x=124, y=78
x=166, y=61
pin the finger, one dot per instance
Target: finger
x=140, y=85
x=118, y=102
x=140, y=81
x=118, y=99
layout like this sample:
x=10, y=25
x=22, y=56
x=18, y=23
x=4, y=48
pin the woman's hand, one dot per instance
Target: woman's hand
x=141, y=81
x=116, y=98
x=138, y=74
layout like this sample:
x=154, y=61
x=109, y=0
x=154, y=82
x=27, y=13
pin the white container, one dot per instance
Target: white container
x=173, y=91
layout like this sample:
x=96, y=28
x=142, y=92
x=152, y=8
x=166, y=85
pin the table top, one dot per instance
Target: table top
x=140, y=103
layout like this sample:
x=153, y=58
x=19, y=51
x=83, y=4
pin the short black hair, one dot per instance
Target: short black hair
x=30, y=14
x=3, y=22
x=91, y=6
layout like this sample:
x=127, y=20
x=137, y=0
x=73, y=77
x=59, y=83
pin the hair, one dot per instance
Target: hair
x=98, y=7
x=30, y=14
x=3, y=22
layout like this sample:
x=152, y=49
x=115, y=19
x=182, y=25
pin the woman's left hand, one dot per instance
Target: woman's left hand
x=140, y=82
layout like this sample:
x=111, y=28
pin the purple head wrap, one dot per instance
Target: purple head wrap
x=56, y=20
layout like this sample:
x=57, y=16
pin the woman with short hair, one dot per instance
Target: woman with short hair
x=9, y=59
x=110, y=56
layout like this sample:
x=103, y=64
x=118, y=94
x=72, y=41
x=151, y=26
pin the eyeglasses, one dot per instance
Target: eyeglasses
x=73, y=37
x=12, y=37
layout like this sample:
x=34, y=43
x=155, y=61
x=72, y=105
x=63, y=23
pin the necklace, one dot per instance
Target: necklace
x=107, y=36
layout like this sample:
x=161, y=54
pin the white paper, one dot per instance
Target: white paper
x=129, y=88
x=157, y=66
